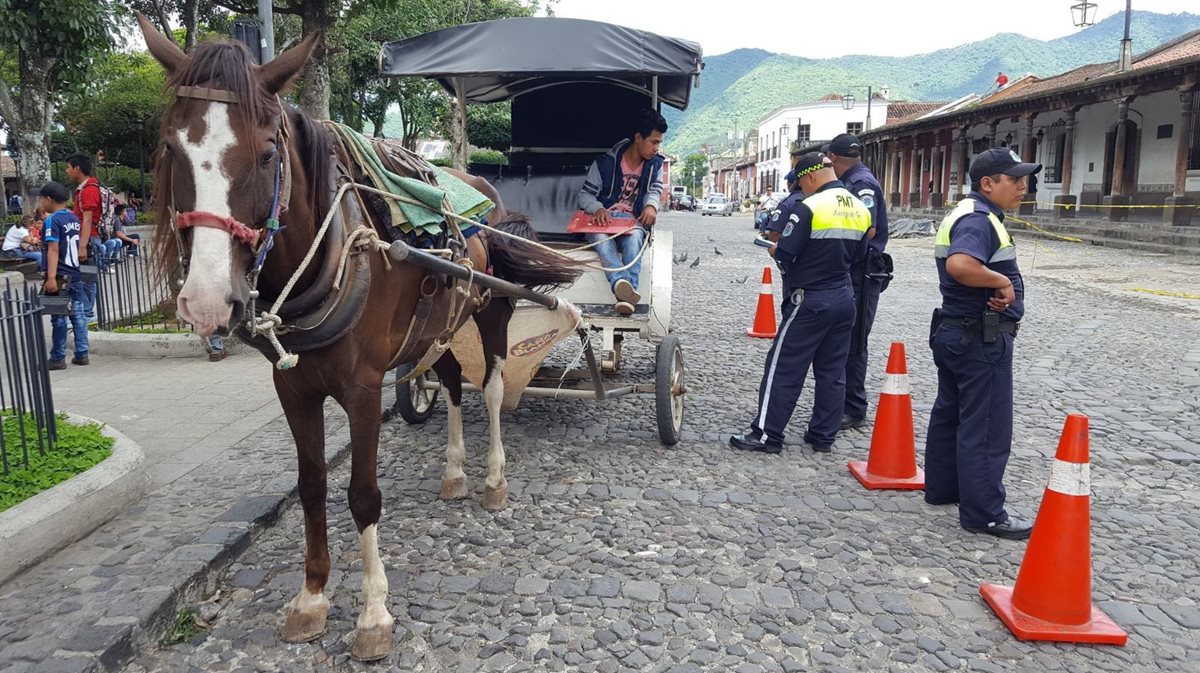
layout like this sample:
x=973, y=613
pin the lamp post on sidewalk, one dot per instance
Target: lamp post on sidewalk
x=1083, y=14
x=848, y=102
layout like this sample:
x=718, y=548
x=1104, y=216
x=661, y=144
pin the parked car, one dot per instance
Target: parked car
x=685, y=202
x=716, y=204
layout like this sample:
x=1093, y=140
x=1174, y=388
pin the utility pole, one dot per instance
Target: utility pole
x=1126, y=61
x=267, y=36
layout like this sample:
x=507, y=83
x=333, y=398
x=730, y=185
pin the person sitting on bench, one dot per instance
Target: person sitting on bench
x=626, y=183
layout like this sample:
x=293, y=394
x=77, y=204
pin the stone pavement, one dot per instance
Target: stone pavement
x=222, y=466
x=617, y=554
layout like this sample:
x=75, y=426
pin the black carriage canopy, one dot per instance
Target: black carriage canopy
x=494, y=61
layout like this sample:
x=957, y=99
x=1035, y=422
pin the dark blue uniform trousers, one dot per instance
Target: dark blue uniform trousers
x=816, y=333
x=856, y=361
x=970, y=429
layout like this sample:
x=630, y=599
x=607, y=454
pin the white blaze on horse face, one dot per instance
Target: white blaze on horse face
x=204, y=299
x=374, y=583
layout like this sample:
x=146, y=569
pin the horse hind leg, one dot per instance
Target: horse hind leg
x=454, y=480
x=493, y=329
x=495, y=492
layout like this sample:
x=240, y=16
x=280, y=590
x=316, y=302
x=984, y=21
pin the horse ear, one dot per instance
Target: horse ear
x=276, y=75
x=161, y=47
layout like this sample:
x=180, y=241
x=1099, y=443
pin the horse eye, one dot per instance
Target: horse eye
x=267, y=157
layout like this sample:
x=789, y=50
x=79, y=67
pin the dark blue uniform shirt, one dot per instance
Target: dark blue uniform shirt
x=861, y=183
x=808, y=263
x=974, y=235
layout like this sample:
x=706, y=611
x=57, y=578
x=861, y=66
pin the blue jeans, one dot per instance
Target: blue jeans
x=77, y=291
x=215, y=344
x=104, y=251
x=89, y=290
x=31, y=255
x=630, y=245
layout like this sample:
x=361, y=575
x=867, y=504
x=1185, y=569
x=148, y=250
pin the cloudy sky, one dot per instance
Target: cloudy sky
x=817, y=29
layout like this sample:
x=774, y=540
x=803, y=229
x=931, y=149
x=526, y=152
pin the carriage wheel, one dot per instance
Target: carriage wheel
x=669, y=390
x=413, y=402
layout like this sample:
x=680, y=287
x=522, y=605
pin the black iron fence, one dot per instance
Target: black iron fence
x=130, y=294
x=27, y=420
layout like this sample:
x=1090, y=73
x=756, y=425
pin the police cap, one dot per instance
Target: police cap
x=846, y=145
x=807, y=163
x=1000, y=160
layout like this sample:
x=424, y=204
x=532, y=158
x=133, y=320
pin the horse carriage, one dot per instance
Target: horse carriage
x=278, y=227
x=571, y=84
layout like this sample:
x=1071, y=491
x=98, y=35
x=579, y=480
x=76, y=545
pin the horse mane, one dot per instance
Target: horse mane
x=228, y=66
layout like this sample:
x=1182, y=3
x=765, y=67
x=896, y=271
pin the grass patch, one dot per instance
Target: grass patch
x=187, y=625
x=150, y=322
x=79, y=447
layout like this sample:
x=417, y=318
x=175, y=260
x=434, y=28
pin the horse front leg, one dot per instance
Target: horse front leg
x=454, y=480
x=307, y=612
x=373, y=631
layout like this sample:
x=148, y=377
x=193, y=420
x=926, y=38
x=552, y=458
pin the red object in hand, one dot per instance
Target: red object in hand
x=583, y=223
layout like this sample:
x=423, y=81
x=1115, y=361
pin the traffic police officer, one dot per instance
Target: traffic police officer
x=867, y=273
x=817, y=235
x=983, y=299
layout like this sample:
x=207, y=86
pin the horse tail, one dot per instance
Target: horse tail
x=518, y=262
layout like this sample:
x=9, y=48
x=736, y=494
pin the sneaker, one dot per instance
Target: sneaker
x=625, y=292
x=54, y=365
x=624, y=308
x=81, y=360
x=217, y=356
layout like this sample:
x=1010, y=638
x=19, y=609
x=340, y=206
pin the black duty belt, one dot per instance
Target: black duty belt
x=989, y=330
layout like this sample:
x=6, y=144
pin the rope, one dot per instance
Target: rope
x=1044, y=232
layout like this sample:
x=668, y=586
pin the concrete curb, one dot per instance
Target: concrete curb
x=185, y=345
x=67, y=512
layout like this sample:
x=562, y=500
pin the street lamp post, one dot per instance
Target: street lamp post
x=1083, y=14
x=848, y=103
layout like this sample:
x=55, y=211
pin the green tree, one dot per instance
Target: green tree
x=119, y=110
x=695, y=167
x=54, y=43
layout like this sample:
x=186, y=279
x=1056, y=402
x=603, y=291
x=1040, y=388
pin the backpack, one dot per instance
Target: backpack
x=108, y=211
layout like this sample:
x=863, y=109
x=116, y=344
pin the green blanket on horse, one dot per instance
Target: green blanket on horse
x=427, y=195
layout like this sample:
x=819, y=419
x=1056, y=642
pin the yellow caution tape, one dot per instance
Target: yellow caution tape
x=1040, y=230
x=1167, y=293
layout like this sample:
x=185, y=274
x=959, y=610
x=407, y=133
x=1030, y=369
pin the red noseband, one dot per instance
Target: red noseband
x=237, y=230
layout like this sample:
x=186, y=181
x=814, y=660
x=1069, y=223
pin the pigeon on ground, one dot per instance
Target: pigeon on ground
x=683, y=257
x=711, y=239
x=716, y=251
x=742, y=280
x=694, y=264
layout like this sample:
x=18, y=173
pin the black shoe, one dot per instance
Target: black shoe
x=1011, y=528
x=851, y=423
x=752, y=442
x=819, y=448
x=217, y=356
x=54, y=365
x=79, y=360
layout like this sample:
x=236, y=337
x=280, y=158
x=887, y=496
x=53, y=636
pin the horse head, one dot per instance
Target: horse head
x=218, y=171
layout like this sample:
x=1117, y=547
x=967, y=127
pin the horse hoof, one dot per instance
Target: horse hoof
x=495, y=499
x=453, y=489
x=304, y=626
x=372, y=644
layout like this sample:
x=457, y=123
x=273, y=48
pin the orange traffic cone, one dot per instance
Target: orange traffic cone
x=764, y=317
x=1052, y=599
x=892, y=463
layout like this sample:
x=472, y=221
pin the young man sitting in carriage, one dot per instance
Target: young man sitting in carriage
x=626, y=183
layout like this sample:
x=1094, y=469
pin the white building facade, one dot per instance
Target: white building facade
x=808, y=123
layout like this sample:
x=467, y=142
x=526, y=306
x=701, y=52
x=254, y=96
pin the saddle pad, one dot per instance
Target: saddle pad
x=426, y=215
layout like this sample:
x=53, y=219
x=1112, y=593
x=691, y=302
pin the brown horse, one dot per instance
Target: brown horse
x=234, y=160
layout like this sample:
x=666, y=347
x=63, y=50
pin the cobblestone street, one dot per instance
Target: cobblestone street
x=617, y=554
